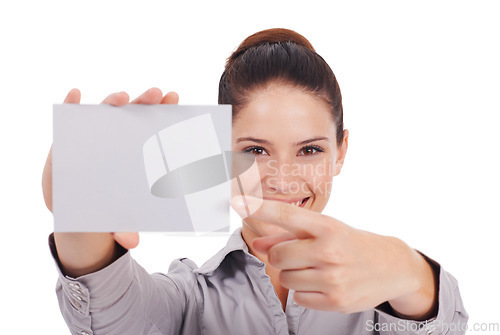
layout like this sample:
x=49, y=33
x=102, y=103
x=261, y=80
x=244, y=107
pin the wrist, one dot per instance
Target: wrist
x=421, y=303
x=83, y=253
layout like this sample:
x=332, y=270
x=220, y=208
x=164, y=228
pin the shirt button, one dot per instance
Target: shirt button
x=77, y=296
x=76, y=304
x=75, y=285
x=83, y=332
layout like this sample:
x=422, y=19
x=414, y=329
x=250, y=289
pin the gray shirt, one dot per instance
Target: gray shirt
x=230, y=294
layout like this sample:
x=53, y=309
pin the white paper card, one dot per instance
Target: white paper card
x=141, y=168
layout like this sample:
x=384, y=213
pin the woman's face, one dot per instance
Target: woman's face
x=293, y=138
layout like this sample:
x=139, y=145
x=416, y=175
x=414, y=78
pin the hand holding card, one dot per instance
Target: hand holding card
x=73, y=248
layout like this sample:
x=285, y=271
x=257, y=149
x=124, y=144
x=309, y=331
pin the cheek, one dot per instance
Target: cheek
x=320, y=178
x=247, y=182
x=321, y=184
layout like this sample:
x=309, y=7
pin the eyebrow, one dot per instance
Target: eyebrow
x=261, y=141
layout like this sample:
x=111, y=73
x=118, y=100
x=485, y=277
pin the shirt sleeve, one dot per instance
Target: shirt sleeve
x=451, y=318
x=123, y=298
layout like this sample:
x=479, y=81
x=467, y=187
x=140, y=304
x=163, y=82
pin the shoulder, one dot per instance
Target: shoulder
x=180, y=272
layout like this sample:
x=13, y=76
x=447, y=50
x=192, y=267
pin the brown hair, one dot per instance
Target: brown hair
x=280, y=56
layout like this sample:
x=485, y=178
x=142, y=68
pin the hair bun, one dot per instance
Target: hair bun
x=284, y=57
x=274, y=35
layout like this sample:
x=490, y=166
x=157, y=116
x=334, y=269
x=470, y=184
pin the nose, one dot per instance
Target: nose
x=280, y=177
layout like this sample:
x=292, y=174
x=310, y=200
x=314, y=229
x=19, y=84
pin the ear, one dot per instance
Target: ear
x=341, y=152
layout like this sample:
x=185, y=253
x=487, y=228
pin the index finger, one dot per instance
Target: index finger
x=73, y=96
x=116, y=99
x=152, y=96
x=301, y=222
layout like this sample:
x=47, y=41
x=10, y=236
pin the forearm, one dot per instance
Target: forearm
x=84, y=253
x=123, y=298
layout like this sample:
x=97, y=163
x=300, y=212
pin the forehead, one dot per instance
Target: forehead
x=279, y=111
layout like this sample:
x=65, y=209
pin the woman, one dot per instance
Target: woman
x=289, y=269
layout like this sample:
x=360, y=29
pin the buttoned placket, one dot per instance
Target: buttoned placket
x=292, y=311
x=79, y=300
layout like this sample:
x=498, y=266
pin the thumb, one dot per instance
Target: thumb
x=127, y=240
x=263, y=244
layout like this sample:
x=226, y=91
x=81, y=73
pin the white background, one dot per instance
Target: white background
x=420, y=84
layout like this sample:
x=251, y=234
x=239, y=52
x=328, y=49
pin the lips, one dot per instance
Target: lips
x=294, y=202
x=304, y=201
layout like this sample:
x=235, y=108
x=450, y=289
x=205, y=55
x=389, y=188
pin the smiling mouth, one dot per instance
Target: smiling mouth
x=300, y=203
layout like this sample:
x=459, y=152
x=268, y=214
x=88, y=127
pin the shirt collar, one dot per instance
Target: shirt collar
x=234, y=243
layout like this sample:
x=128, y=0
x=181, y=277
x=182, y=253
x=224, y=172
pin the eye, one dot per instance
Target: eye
x=257, y=151
x=310, y=150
